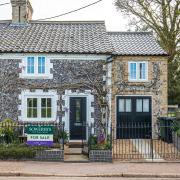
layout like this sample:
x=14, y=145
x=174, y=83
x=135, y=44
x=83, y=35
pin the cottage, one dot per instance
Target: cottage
x=79, y=74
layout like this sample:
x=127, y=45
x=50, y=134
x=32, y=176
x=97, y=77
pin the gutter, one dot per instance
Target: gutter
x=109, y=59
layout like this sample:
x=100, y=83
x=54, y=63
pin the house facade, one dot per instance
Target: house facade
x=78, y=73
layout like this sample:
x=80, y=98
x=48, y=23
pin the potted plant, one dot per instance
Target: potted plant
x=63, y=136
x=100, y=149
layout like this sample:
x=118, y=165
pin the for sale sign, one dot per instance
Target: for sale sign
x=39, y=135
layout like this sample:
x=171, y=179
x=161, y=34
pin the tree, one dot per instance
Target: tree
x=163, y=18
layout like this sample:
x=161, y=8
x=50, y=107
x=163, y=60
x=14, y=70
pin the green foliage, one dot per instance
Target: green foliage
x=16, y=152
x=161, y=17
x=176, y=127
x=173, y=81
x=59, y=135
x=7, y=131
x=93, y=141
x=63, y=135
x=178, y=132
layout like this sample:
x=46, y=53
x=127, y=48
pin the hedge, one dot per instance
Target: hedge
x=14, y=152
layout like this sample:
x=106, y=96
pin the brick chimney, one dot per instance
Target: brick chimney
x=22, y=11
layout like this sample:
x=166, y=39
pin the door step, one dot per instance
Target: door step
x=73, y=151
x=80, y=158
x=75, y=145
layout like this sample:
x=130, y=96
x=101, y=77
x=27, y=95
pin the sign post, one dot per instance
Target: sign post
x=39, y=135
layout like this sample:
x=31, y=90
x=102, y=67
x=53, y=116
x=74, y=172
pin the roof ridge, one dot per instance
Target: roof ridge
x=60, y=22
x=67, y=22
x=130, y=32
x=5, y=21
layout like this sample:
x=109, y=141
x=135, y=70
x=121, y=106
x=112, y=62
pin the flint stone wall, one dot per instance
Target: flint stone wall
x=66, y=75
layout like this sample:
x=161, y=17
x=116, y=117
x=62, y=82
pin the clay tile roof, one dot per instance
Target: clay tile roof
x=60, y=37
x=135, y=43
x=87, y=37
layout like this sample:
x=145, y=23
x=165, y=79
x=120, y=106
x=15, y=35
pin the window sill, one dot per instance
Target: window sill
x=138, y=81
x=38, y=120
x=36, y=77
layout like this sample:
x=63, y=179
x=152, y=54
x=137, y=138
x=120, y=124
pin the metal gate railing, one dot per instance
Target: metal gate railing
x=141, y=141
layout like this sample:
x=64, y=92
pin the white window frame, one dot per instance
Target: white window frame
x=36, y=75
x=45, y=66
x=39, y=94
x=137, y=71
x=30, y=64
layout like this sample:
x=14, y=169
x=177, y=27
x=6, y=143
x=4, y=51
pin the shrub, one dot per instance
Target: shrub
x=93, y=141
x=14, y=152
x=7, y=131
x=59, y=135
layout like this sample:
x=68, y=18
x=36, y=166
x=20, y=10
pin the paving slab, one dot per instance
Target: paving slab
x=116, y=169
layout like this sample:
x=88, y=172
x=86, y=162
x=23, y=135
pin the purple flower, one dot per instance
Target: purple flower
x=101, y=138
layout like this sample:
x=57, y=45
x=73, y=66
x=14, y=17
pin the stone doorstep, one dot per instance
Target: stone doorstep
x=74, y=155
x=76, y=158
x=73, y=151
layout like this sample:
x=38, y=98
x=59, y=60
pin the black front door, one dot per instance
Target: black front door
x=77, y=118
x=134, y=117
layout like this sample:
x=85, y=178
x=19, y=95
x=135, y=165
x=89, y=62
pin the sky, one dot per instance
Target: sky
x=104, y=10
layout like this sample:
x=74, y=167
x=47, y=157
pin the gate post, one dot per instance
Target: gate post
x=152, y=148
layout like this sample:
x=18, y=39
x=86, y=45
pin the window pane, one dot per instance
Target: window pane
x=28, y=112
x=145, y=105
x=43, y=112
x=34, y=112
x=132, y=70
x=48, y=102
x=34, y=102
x=142, y=71
x=41, y=65
x=78, y=110
x=49, y=112
x=43, y=102
x=128, y=105
x=46, y=107
x=139, y=105
x=30, y=65
x=31, y=107
x=121, y=105
x=29, y=102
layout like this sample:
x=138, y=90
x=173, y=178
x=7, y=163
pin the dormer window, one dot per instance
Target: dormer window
x=35, y=67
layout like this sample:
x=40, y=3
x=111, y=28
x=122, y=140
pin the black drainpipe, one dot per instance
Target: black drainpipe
x=19, y=14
